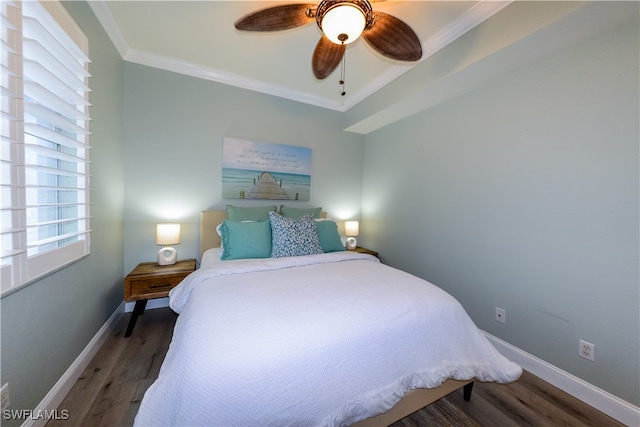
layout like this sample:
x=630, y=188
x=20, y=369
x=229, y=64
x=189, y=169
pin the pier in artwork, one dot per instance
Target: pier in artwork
x=266, y=187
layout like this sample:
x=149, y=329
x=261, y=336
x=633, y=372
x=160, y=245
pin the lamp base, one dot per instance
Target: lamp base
x=351, y=244
x=167, y=256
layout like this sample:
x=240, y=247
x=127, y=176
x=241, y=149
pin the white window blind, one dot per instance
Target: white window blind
x=45, y=150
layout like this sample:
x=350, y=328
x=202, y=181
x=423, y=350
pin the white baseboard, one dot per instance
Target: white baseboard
x=61, y=388
x=603, y=401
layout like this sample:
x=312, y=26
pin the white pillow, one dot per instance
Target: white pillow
x=210, y=257
x=219, y=234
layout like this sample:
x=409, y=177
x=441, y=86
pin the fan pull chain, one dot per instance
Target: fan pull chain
x=343, y=68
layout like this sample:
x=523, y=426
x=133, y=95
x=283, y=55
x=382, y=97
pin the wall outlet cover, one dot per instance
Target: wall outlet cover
x=587, y=350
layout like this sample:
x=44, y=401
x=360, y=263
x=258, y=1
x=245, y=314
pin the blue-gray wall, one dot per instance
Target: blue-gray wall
x=174, y=126
x=523, y=194
x=46, y=325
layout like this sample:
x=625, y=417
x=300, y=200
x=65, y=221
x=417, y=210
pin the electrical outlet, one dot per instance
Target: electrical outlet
x=4, y=396
x=587, y=350
x=501, y=315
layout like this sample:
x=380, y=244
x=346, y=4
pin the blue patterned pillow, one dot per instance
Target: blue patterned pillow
x=293, y=236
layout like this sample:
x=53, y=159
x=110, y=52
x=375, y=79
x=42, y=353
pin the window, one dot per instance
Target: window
x=44, y=209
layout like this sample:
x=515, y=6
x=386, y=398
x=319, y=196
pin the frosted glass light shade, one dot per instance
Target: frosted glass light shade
x=343, y=24
x=167, y=234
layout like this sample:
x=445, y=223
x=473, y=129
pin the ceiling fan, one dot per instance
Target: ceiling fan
x=341, y=22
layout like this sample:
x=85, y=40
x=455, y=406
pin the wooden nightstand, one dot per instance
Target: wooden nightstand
x=365, y=251
x=150, y=280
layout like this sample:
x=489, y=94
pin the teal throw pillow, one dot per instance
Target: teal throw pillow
x=242, y=240
x=255, y=213
x=329, y=237
x=289, y=212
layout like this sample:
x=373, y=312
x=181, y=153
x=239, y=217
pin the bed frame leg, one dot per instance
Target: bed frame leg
x=467, y=391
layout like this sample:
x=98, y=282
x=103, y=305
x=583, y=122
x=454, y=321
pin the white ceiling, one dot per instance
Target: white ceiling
x=198, y=38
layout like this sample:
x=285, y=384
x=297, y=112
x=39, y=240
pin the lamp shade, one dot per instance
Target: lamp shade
x=168, y=234
x=343, y=23
x=351, y=228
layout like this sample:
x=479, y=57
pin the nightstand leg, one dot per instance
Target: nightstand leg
x=467, y=391
x=137, y=311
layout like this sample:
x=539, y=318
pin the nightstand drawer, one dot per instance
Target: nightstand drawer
x=152, y=285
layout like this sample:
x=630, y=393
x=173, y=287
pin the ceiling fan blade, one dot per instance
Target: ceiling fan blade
x=326, y=57
x=276, y=18
x=393, y=38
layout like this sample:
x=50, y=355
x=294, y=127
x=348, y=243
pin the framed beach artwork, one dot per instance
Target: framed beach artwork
x=262, y=170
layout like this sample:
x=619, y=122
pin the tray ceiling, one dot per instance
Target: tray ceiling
x=198, y=38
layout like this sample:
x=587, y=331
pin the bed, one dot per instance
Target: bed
x=326, y=339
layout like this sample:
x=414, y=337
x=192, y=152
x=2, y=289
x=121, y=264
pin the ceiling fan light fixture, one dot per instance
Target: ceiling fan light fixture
x=343, y=21
x=343, y=24
x=385, y=33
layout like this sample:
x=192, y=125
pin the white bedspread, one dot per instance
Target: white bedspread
x=321, y=340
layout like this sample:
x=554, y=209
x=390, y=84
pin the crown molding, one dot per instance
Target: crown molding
x=473, y=17
x=467, y=21
x=219, y=76
x=110, y=26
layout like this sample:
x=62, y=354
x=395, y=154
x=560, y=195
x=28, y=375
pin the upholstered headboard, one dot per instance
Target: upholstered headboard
x=209, y=220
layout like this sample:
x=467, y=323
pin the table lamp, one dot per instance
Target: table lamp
x=351, y=230
x=167, y=234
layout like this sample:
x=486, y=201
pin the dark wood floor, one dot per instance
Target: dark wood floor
x=110, y=390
